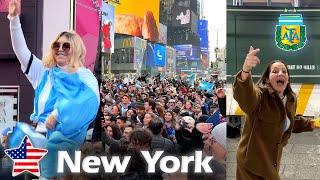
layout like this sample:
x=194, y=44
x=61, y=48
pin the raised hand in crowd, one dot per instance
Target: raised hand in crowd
x=204, y=128
x=220, y=92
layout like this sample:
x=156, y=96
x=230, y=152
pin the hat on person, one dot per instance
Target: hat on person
x=219, y=134
x=208, y=95
x=139, y=105
x=189, y=120
x=203, y=118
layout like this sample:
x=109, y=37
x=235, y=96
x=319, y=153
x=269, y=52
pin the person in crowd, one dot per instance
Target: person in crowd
x=126, y=132
x=138, y=119
x=63, y=88
x=115, y=111
x=106, y=120
x=144, y=96
x=270, y=108
x=125, y=104
x=188, y=137
x=171, y=104
x=160, y=110
x=139, y=140
x=121, y=122
x=113, y=131
x=222, y=101
x=169, y=124
x=149, y=105
x=197, y=111
x=188, y=107
x=117, y=145
x=148, y=118
x=179, y=104
x=131, y=112
x=217, y=142
x=158, y=141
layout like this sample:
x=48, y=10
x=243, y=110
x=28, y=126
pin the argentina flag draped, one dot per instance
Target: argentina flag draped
x=74, y=92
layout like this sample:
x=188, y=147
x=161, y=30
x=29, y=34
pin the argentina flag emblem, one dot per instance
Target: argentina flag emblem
x=290, y=33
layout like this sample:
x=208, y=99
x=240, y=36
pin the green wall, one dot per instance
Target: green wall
x=256, y=27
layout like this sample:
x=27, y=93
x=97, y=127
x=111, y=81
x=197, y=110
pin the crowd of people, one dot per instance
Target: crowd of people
x=155, y=115
x=119, y=117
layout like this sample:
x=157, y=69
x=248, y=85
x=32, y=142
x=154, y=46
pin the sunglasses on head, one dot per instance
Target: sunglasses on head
x=65, y=46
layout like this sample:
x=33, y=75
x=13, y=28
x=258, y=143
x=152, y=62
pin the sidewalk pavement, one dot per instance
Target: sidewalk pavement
x=300, y=158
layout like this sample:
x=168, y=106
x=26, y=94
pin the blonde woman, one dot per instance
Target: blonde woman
x=63, y=90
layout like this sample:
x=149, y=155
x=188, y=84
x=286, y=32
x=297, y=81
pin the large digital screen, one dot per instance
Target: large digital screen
x=181, y=16
x=139, y=19
x=203, y=35
x=159, y=55
x=107, y=25
x=187, y=56
x=163, y=33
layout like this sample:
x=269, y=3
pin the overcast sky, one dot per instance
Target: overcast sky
x=215, y=13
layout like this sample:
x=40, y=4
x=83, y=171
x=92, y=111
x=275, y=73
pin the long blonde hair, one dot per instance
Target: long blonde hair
x=78, y=51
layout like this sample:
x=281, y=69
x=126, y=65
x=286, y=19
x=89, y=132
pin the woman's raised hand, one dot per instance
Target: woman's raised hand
x=251, y=60
x=14, y=8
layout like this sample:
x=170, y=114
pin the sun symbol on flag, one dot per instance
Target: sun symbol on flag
x=26, y=158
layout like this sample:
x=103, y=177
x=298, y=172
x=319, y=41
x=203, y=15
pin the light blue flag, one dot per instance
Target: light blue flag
x=20, y=130
x=76, y=98
x=206, y=86
x=138, y=84
x=191, y=79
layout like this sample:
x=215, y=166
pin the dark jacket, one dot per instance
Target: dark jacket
x=160, y=143
x=189, y=142
x=263, y=136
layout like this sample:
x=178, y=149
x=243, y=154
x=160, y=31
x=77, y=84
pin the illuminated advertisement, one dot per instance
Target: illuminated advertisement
x=139, y=50
x=290, y=34
x=4, y=5
x=128, y=54
x=194, y=24
x=171, y=60
x=183, y=51
x=159, y=55
x=187, y=56
x=163, y=33
x=181, y=16
x=87, y=26
x=203, y=35
x=141, y=20
x=149, y=56
x=107, y=26
x=204, y=43
x=123, y=52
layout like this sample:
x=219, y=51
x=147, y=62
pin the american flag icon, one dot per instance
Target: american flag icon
x=26, y=158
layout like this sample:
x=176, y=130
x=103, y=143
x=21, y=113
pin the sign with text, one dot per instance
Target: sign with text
x=9, y=97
